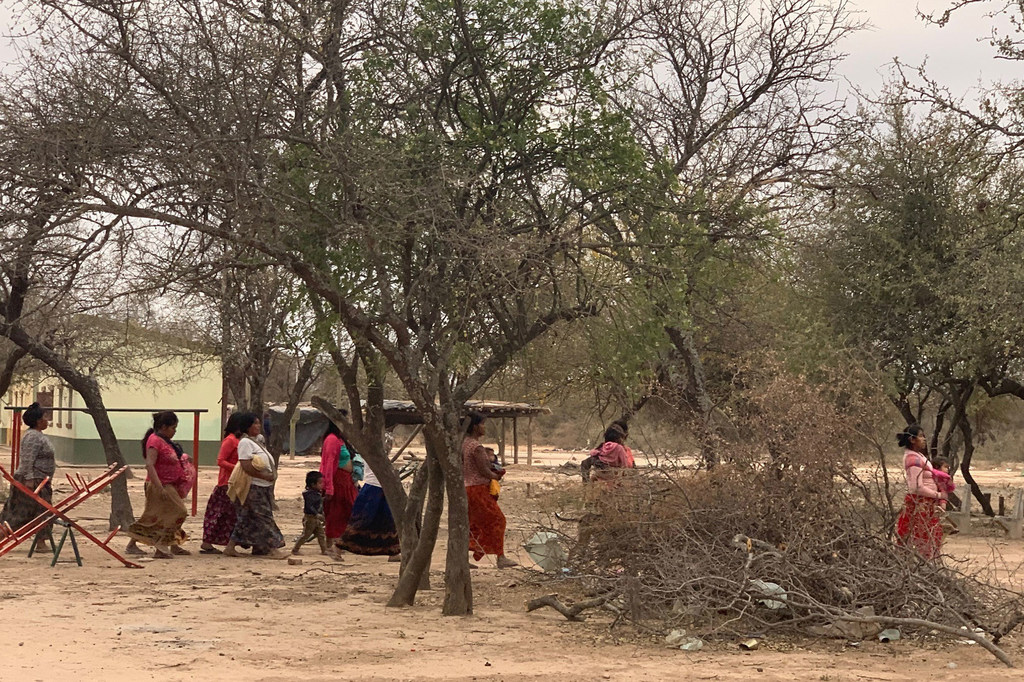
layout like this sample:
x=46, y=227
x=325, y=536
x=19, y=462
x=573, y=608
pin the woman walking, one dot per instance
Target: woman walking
x=919, y=525
x=164, y=514
x=255, y=526
x=486, y=521
x=220, y=517
x=36, y=465
x=339, y=490
x=371, y=528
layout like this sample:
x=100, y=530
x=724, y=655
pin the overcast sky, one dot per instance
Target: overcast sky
x=957, y=55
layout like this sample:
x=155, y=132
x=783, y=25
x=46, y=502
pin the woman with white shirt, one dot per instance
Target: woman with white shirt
x=255, y=526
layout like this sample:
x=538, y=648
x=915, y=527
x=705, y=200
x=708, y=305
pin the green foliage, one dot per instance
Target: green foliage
x=920, y=256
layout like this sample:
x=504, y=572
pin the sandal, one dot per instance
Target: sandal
x=209, y=550
x=162, y=555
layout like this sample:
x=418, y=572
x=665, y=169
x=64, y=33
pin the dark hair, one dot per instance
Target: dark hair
x=160, y=420
x=332, y=430
x=312, y=477
x=32, y=415
x=231, y=425
x=908, y=434
x=940, y=461
x=473, y=420
x=622, y=424
x=245, y=420
x=614, y=434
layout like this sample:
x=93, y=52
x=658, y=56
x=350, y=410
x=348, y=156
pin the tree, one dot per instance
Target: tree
x=919, y=263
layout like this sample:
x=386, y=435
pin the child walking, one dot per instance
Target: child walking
x=313, y=513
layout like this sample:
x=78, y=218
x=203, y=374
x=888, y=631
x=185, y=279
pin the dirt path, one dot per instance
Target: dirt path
x=214, y=618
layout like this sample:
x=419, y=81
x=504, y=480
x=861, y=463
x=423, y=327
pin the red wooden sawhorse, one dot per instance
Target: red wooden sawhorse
x=83, y=490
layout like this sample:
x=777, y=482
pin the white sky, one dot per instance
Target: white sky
x=958, y=55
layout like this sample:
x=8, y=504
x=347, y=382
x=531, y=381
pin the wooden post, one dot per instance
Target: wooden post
x=291, y=434
x=515, y=440
x=529, y=441
x=415, y=432
x=501, y=442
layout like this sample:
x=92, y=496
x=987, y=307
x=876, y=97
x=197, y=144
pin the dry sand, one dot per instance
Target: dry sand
x=215, y=618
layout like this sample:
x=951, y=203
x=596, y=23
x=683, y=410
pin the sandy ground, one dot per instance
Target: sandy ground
x=215, y=618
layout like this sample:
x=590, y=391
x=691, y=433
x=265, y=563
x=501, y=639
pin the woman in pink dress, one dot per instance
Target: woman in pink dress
x=339, y=489
x=919, y=525
x=165, y=512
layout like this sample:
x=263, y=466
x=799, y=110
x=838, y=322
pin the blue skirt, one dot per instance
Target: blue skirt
x=371, y=528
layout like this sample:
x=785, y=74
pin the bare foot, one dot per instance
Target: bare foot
x=276, y=554
x=162, y=555
x=505, y=562
x=133, y=548
x=179, y=550
x=230, y=551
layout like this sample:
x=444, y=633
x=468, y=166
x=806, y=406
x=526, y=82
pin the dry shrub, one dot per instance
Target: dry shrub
x=787, y=507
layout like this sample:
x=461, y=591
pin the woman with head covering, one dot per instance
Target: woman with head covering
x=486, y=521
x=165, y=512
x=254, y=501
x=221, y=515
x=37, y=464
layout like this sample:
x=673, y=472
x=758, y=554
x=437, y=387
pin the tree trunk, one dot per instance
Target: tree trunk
x=7, y=373
x=965, y=466
x=443, y=438
x=418, y=564
x=697, y=396
x=86, y=386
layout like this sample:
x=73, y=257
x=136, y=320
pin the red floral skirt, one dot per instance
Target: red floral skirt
x=486, y=522
x=919, y=527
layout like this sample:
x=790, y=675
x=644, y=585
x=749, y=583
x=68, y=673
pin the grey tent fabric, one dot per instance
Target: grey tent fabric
x=310, y=428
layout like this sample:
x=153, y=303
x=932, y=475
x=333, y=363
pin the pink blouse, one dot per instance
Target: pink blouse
x=168, y=468
x=919, y=476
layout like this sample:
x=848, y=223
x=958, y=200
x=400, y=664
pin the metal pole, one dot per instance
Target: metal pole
x=195, y=462
x=15, y=440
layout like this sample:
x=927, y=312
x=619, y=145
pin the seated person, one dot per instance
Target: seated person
x=611, y=454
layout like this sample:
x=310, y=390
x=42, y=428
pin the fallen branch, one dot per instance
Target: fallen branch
x=571, y=612
x=948, y=629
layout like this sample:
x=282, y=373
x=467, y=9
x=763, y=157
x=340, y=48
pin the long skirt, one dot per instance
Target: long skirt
x=919, y=526
x=20, y=508
x=338, y=508
x=162, y=518
x=371, y=529
x=256, y=526
x=486, y=522
x=220, y=517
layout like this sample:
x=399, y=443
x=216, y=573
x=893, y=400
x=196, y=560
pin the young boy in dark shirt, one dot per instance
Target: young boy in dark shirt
x=312, y=513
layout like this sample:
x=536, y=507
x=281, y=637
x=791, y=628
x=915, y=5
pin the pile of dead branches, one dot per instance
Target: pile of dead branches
x=788, y=536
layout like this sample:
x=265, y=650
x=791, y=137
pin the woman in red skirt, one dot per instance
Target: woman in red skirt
x=919, y=526
x=486, y=522
x=339, y=489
